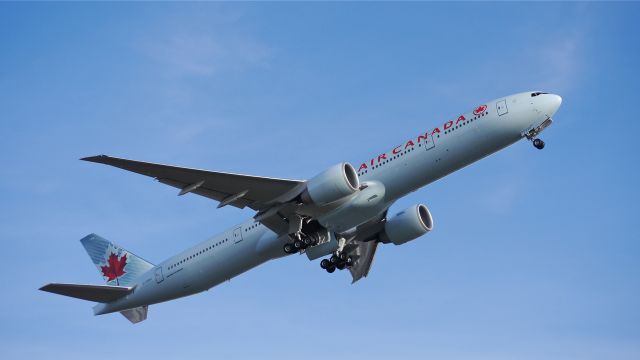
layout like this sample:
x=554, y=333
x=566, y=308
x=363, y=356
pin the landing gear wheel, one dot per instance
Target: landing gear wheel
x=307, y=242
x=349, y=261
x=539, y=144
x=341, y=265
x=298, y=244
x=331, y=269
x=288, y=248
x=325, y=264
x=343, y=257
x=334, y=259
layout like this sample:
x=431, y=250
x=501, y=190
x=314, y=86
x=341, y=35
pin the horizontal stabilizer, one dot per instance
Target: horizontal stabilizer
x=97, y=293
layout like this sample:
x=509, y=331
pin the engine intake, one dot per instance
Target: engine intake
x=408, y=225
x=332, y=184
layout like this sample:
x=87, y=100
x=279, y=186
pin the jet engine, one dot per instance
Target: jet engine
x=408, y=225
x=332, y=184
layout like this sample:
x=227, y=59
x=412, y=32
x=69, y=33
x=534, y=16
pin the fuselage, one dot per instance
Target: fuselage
x=423, y=159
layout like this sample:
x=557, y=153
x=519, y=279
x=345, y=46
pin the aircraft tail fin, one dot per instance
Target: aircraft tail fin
x=117, y=266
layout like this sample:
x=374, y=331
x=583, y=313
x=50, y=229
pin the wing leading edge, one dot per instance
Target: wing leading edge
x=255, y=192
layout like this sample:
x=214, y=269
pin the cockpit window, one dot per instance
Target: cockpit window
x=537, y=93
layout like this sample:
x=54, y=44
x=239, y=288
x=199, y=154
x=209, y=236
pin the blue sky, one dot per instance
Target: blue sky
x=535, y=254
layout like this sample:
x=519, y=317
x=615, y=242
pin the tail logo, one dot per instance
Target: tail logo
x=114, y=268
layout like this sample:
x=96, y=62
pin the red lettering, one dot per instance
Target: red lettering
x=382, y=157
x=396, y=150
x=408, y=144
x=436, y=130
x=461, y=118
x=371, y=162
x=425, y=137
x=363, y=166
x=448, y=124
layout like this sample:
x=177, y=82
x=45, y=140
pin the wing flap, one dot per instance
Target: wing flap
x=97, y=293
x=363, y=256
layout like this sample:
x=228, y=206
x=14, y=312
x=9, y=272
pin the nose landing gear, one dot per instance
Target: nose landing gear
x=538, y=144
x=532, y=133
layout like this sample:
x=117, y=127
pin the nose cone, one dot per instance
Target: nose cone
x=551, y=103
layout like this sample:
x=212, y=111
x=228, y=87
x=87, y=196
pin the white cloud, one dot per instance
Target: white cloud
x=206, y=53
x=501, y=198
x=559, y=63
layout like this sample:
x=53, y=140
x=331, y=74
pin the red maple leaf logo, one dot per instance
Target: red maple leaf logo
x=114, y=267
x=480, y=109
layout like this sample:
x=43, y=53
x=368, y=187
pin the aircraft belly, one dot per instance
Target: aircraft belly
x=368, y=203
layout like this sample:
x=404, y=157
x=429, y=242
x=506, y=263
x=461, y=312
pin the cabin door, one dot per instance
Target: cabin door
x=237, y=234
x=501, y=107
x=429, y=144
x=159, y=276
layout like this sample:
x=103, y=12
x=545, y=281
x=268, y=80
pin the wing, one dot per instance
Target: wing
x=258, y=193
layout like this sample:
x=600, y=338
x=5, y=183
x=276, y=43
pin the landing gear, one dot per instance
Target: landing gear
x=288, y=248
x=299, y=245
x=338, y=261
x=328, y=265
x=533, y=132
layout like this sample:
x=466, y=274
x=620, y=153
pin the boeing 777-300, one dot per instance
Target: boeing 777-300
x=341, y=214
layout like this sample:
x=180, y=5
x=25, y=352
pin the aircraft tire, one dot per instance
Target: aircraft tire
x=538, y=144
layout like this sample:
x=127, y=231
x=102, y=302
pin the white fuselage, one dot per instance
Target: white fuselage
x=419, y=161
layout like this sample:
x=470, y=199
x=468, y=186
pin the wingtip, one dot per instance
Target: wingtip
x=95, y=158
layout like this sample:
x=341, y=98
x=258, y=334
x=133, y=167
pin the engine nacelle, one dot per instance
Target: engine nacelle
x=408, y=225
x=332, y=184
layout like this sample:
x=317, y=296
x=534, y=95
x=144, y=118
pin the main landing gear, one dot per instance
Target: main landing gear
x=338, y=261
x=299, y=244
x=538, y=144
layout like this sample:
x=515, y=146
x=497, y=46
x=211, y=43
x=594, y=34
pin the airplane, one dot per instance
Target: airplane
x=340, y=215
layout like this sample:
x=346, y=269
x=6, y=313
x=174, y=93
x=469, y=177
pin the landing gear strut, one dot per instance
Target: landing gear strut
x=538, y=144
